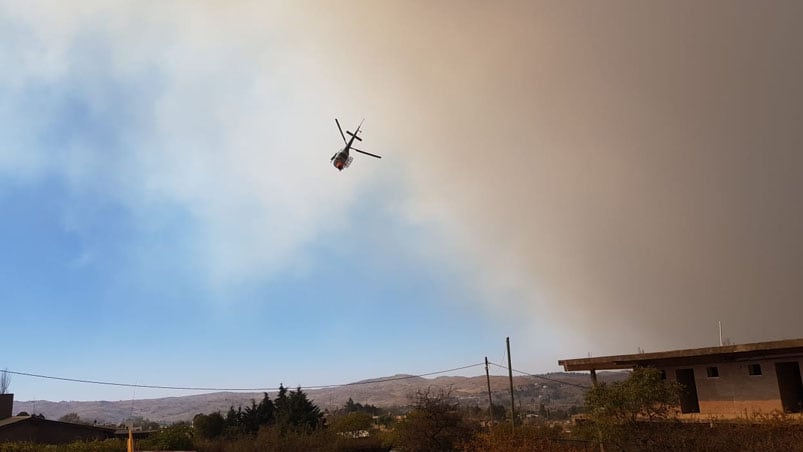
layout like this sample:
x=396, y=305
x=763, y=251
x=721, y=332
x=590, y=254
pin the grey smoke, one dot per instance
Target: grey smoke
x=633, y=170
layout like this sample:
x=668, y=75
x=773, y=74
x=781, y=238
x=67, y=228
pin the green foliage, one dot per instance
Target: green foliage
x=290, y=412
x=755, y=435
x=176, y=437
x=614, y=410
x=435, y=423
x=109, y=445
x=239, y=422
x=272, y=439
x=258, y=415
x=209, y=426
x=71, y=417
x=351, y=407
x=385, y=420
x=526, y=437
x=295, y=412
x=643, y=395
x=499, y=412
x=352, y=422
x=141, y=423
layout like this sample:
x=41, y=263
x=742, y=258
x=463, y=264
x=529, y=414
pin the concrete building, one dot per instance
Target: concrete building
x=727, y=381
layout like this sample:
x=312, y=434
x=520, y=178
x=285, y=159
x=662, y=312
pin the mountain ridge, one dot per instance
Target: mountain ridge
x=558, y=390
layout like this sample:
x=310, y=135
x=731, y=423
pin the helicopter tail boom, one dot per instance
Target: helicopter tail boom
x=366, y=153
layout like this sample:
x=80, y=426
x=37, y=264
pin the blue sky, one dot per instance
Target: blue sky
x=571, y=176
x=88, y=302
x=160, y=228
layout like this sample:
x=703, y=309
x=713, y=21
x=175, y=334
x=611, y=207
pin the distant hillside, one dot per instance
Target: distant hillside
x=383, y=392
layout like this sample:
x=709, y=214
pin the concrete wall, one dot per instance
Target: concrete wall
x=735, y=393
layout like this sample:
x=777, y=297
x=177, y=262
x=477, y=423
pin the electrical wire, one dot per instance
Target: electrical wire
x=542, y=377
x=191, y=388
x=404, y=377
x=271, y=389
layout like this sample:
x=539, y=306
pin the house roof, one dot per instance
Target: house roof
x=14, y=419
x=706, y=355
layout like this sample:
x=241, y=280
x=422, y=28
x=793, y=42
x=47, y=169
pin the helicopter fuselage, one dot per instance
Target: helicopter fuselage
x=341, y=160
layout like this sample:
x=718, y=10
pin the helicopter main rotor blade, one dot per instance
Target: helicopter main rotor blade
x=366, y=153
x=341, y=130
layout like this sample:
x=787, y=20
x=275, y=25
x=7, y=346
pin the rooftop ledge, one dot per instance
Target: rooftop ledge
x=692, y=356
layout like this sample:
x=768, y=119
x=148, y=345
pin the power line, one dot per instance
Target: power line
x=131, y=385
x=190, y=388
x=271, y=389
x=542, y=377
x=404, y=377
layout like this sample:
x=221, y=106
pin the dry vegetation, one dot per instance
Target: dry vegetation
x=627, y=415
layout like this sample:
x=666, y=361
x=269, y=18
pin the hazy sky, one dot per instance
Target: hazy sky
x=584, y=177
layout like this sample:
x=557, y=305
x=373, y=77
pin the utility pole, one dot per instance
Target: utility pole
x=490, y=400
x=510, y=375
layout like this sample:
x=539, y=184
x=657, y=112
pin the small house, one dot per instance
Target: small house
x=34, y=429
x=726, y=381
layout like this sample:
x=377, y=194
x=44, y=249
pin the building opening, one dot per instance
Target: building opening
x=790, y=385
x=688, y=395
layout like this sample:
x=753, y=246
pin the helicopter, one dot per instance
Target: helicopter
x=342, y=159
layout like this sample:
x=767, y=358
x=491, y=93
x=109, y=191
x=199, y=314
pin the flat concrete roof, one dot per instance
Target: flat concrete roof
x=692, y=356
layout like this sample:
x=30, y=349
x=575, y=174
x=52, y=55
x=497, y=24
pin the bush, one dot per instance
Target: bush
x=109, y=445
x=175, y=437
x=615, y=409
x=273, y=439
x=527, y=437
x=436, y=423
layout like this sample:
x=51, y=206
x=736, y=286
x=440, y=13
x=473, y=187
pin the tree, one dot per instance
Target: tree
x=5, y=381
x=250, y=419
x=642, y=395
x=614, y=409
x=71, y=417
x=209, y=426
x=351, y=407
x=175, y=437
x=499, y=412
x=385, y=420
x=435, y=423
x=352, y=422
x=295, y=412
x=234, y=425
x=258, y=415
x=142, y=423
